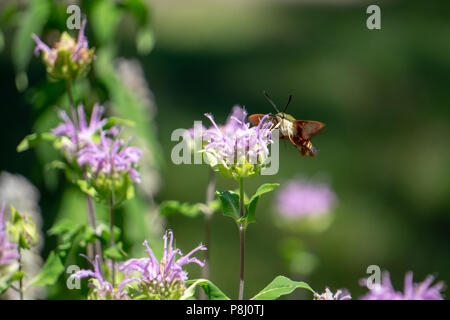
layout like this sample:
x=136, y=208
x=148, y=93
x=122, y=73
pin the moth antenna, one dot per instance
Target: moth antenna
x=270, y=100
x=289, y=101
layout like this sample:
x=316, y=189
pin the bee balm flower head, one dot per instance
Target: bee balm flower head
x=237, y=150
x=412, y=291
x=69, y=58
x=102, y=289
x=300, y=198
x=328, y=295
x=163, y=280
x=76, y=136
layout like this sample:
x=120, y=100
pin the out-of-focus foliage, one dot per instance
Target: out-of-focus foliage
x=106, y=83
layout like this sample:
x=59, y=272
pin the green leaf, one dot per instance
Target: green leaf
x=250, y=211
x=266, y=187
x=34, y=139
x=230, y=203
x=23, y=229
x=17, y=275
x=63, y=227
x=115, y=252
x=112, y=121
x=54, y=265
x=170, y=207
x=209, y=288
x=280, y=286
x=56, y=164
x=86, y=188
x=105, y=233
x=50, y=272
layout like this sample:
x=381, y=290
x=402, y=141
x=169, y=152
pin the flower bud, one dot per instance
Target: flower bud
x=67, y=59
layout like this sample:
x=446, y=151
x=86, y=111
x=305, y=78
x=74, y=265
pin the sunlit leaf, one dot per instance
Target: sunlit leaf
x=209, y=288
x=34, y=139
x=50, y=272
x=280, y=286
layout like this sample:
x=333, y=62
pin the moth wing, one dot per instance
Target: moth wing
x=308, y=128
x=256, y=118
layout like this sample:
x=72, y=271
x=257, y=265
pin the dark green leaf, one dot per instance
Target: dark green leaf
x=230, y=203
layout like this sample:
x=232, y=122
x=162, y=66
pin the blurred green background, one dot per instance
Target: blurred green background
x=383, y=95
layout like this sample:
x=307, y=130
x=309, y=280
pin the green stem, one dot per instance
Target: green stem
x=111, y=238
x=90, y=204
x=210, y=189
x=21, y=278
x=242, y=239
x=72, y=109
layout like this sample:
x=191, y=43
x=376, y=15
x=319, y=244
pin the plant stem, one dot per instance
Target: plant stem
x=72, y=109
x=92, y=220
x=210, y=190
x=242, y=238
x=91, y=210
x=20, y=280
x=111, y=238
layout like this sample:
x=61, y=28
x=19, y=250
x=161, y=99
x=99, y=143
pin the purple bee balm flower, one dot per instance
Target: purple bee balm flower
x=299, y=198
x=50, y=55
x=82, y=133
x=328, y=295
x=67, y=59
x=102, y=289
x=231, y=147
x=66, y=43
x=8, y=250
x=82, y=42
x=164, y=280
x=412, y=291
x=169, y=269
x=111, y=156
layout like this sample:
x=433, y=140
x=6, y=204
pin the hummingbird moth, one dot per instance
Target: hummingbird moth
x=298, y=132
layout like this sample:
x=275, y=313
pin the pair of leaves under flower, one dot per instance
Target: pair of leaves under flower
x=231, y=208
x=280, y=286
